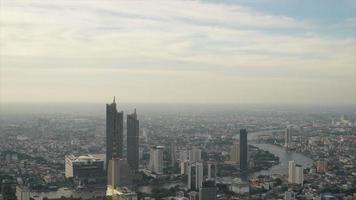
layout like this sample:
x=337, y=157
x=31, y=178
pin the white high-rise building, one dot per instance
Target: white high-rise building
x=288, y=137
x=299, y=175
x=195, y=155
x=291, y=171
x=199, y=174
x=295, y=173
x=156, y=159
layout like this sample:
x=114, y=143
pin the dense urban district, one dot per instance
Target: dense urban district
x=204, y=154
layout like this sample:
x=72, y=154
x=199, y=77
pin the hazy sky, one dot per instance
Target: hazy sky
x=251, y=51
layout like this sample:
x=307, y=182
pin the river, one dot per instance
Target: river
x=284, y=156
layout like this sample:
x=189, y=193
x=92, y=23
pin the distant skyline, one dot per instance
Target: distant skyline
x=243, y=51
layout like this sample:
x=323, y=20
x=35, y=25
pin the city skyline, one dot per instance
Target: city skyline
x=270, y=52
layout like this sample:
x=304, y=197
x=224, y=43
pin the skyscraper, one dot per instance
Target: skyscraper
x=295, y=173
x=114, y=132
x=119, y=174
x=173, y=154
x=195, y=175
x=288, y=137
x=156, y=159
x=133, y=141
x=243, y=150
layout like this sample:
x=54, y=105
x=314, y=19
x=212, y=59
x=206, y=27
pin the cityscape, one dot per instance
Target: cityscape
x=178, y=100
x=205, y=154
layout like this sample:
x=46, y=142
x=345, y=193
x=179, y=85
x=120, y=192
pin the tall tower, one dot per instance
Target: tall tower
x=114, y=132
x=288, y=137
x=133, y=141
x=195, y=175
x=243, y=150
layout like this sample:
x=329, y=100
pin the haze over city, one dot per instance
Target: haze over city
x=256, y=52
x=177, y=100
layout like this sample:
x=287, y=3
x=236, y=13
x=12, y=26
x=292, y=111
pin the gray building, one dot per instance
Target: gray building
x=114, y=132
x=243, y=150
x=208, y=191
x=133, y=141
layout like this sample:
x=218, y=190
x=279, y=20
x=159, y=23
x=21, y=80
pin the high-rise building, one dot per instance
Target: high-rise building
x=195, y=175
x=133, y=141
x=288, y=137
x=114, y=132
x=235, y=153
x=299, y=174
x=243, y=150
x=184, y=167
x=156, y=159
x=119, y=174
x=173, y=150
x=207, y=191
x=212, y=171
x=295, y=173
x=195, y=155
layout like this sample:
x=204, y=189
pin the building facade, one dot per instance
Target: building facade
x=243, y=150
x=85, y=169
x=156, y=159
x=114, y=132
x=133, y=141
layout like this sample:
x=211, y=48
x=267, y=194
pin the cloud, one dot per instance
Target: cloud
x=158, y=39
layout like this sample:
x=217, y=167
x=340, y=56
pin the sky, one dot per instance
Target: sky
x=187, y=51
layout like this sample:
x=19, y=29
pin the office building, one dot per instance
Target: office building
x=288, y=137
x=207, y=191
x=114, y=132
x=195, y=155
x=235, y=153
x=85, y=169
x=195, y=175
x=156, y=159
x=133, y=141
x=243, y=150
x=173, y=150
x=119, y=174
x=295, y=173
